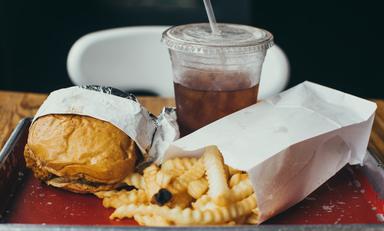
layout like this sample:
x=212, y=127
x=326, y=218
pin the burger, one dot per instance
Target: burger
x=79, y=153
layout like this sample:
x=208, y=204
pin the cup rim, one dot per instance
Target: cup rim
x=188, y=46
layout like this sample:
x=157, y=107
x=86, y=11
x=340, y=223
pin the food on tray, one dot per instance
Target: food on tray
x=186, y=191
x=79, y=153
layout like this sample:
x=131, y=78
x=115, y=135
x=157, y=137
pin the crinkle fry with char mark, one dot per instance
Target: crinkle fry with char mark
x=136, y=180
x=181, y=200
x=201, y=191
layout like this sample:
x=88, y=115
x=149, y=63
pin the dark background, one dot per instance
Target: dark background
x=335, y=43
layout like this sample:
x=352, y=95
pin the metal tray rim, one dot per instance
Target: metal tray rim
x=351, y=227
x=13, y=138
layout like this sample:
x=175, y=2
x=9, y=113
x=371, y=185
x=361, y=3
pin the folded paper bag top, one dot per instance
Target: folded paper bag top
x=289, y=144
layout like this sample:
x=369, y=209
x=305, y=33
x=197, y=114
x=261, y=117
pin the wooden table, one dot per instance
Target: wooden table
x=16, y=105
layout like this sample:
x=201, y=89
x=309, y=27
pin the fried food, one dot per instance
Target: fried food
x=151, y=220
x=214, y=165
x=237, y=178
x=115, y=199
x=189, y=216
x=151, y=187
x=163, y=179
x=253, y=218
x=180, y=184
x=233, y=171
x=186, y=191
x=240, y=191
x=177, y=166
x=198, y=187
x=136, y=180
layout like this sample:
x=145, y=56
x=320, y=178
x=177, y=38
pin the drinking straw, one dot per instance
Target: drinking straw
x=211, y=17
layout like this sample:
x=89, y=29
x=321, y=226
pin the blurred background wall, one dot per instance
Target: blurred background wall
x=335, y=43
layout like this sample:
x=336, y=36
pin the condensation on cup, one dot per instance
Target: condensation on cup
x=214, y=74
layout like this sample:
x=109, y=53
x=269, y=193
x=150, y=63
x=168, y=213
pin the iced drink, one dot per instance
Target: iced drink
x=198, y=104
x=214, y=75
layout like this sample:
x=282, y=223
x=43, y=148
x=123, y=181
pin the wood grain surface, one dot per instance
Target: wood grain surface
x=376, y=141
x=16, y=105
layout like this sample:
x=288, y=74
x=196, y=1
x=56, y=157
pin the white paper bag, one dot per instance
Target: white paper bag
x=289, y=144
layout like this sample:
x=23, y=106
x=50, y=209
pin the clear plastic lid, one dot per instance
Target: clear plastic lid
x=232, y=39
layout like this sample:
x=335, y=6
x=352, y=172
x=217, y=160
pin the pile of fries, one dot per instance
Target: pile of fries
x=186, y=191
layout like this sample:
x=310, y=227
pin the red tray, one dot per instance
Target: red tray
x=347, y=198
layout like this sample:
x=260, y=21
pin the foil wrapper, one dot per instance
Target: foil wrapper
x=151, y=134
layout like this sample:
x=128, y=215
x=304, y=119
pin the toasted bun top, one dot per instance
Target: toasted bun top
x=80, y=147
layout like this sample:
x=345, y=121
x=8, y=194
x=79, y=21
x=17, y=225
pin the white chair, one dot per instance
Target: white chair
x=133, y=58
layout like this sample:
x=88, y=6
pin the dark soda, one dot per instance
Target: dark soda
x=197, y=108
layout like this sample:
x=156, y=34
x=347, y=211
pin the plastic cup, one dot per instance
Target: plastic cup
x=214, y=74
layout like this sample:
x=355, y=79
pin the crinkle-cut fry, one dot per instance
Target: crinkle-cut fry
x=207, y=206
x=136, y=180
x=198, y=187
x=163, y=179
x=125, y=198
x=237, y=178
x=104, y=194
x=141, y=219
x=240, y=191
x=232, y=171
x=151, y=220
x=181, y=200
x=204, y=203
x=219, y=215
x=180, y=184
x=217, y=179
x=201, y=202
x=151, y=187
x=177, y=166
x=241, y=220
x=226, y=171
x=230, y=223
x=253, y=218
